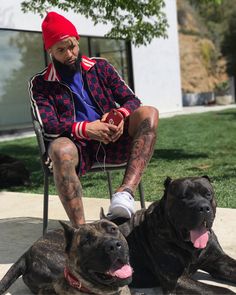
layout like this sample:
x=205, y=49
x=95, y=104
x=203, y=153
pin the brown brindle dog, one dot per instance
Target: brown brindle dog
x=93, y=259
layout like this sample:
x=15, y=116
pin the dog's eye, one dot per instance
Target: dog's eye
x=208, y=195
x=182, y=196
x=112, y=229
x=87, y=239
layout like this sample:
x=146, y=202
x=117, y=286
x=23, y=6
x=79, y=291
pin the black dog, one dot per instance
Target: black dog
x=93, y=259
x=13, y=172
x=173, y=238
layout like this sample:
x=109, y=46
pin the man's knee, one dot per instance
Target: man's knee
x=63, y=149
x=153, y=115
x=145, y=113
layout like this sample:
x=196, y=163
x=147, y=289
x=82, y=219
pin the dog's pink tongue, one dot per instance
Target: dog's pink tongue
x=199, y=237
x=124, y=272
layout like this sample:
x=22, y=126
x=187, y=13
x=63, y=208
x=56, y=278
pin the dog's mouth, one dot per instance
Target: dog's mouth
x=200, y=235
x=117, y=273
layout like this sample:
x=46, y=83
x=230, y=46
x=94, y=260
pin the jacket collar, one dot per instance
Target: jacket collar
x=52, y=75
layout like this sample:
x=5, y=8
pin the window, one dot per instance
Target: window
x=114, y=51
x=21, y=56
x=117, y=52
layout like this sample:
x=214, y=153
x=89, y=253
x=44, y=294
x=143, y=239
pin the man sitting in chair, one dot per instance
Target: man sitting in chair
x=71, y=100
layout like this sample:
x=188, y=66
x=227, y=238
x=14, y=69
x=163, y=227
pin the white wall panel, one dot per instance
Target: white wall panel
x=157, y=68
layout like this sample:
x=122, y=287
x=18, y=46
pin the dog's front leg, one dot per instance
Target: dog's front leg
x=218, y=264
x=125, y=291
x=186, y=285
x=223, y=268
x=47, y=291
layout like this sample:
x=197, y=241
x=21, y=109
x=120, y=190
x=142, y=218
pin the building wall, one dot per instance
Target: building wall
x=156, y=67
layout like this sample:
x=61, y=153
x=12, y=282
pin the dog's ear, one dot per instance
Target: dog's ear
x=102, y=214
x=167, y=182
x=207, y=177
x=69, y=234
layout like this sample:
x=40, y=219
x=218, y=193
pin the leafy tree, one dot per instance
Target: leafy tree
x=216, y=16
x=220, y=20
x=229, y=46
x=138, y=21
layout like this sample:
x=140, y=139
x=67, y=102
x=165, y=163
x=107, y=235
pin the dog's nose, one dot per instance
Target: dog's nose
x=112, y=246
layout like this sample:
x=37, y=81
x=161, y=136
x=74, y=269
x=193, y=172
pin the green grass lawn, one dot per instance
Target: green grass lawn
x=187, y=145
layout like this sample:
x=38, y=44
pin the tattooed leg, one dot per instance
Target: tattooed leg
x=143, y=125
x=65, y=158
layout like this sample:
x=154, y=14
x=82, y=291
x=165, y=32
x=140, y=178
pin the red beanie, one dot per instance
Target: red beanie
x=55, y=28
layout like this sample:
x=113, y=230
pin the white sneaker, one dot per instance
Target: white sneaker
x=122, y=205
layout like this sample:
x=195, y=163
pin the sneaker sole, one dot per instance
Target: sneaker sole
x=120, y=211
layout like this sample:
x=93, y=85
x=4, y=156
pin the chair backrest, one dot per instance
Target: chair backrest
x=39, y=135
x=41, y=145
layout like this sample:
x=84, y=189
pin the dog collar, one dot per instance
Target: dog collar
x=74, y=282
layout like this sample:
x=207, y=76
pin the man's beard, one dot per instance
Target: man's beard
x=71, y=69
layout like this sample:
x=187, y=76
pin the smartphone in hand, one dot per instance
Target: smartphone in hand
x=114, y=117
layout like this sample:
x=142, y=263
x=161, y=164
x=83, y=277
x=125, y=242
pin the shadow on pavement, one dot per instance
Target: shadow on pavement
x=18, y=234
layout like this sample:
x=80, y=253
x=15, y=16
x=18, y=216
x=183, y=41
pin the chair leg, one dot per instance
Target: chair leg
x=109, y=183
x=45, y=203
x=141, y=195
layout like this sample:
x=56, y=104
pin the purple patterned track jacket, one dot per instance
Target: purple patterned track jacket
x=52, y=101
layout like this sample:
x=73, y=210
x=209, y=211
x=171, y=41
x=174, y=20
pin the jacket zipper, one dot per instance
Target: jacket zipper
x=85, y=74
x=71, y=94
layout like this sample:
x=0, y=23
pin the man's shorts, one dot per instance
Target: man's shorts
x=113, y=153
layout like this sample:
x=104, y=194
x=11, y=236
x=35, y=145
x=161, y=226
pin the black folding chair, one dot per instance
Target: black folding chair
x=95, y=168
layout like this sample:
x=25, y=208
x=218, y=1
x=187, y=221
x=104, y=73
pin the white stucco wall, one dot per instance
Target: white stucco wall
x=156, y=66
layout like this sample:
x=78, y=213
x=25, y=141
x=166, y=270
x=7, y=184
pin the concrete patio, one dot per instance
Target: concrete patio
x=21, y=225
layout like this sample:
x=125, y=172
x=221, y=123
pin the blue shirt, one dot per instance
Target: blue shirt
x=85, y=108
